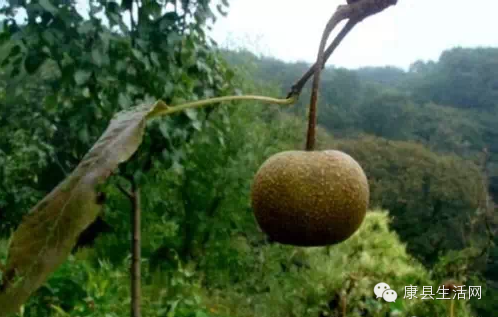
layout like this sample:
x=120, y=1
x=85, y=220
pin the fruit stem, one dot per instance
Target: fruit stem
x=355, y=11
x=163, y=109
x=337, y=17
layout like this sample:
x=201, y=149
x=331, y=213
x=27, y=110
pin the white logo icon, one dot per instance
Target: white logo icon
x=380, y=288
x=383, y=290
x=389, y=295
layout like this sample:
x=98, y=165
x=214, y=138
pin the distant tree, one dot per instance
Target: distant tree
x=388, y=115
x=388, y=75
x=421, y=189
x=462, y=77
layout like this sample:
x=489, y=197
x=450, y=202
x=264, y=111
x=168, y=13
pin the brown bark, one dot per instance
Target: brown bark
x=135, y=269
x=136, y=254
x=355, y=11
x=320, y=62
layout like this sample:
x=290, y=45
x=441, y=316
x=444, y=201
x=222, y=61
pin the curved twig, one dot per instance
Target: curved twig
x=299, y=85
x=356, y=12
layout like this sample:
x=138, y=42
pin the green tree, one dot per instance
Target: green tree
x=431, y=196
x=461, y=78
x=388, y=115
x=68, y=74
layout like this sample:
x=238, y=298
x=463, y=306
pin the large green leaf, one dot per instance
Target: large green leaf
x=49, y=232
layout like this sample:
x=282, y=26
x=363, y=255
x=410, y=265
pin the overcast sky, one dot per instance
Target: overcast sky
x=411, y=30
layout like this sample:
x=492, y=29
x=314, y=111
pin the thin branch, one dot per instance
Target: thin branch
x=355, y=12
x=125, y=191
x=299, y=85
x=58, y=163
x=162, y=108
x=135, y=269
x=136, y=253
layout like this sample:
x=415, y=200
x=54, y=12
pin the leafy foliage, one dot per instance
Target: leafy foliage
x=422, y=190
x=49, y=232
x=441, y=115
x=462, y=78
x=65, y=73
x=275, y=281
x=84, y=69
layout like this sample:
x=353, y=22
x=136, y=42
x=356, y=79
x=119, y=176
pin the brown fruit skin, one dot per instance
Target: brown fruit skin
x=310, y=198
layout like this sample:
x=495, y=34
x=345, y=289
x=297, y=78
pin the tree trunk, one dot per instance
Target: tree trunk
x=136, y=254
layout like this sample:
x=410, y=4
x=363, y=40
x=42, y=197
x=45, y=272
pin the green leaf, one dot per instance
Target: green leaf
x=81, y=76
x=4, y=37
x=86, y=92
x=192, y=114
x=48, y=6
x=168, y=88
x=124, y=101
x=155, y=59
x=396, y=305
x=200, y=313
x=172, y=311
x=138, y=55
x=83, y=134
x=197, y=125
x=14, y=51
x=51, y=102
x=16, y=70
x=177, y=168
x=97, y=57
x=139, y=177
x=59, y=310
x=163, y=128
x=85, y=27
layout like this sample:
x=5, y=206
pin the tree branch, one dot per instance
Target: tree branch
x=125, y=191
x=136, y=253
x=355, y=12
x=299, y=85
x=135, y=270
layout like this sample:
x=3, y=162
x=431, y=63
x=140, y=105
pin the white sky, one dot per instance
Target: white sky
x=413, y=29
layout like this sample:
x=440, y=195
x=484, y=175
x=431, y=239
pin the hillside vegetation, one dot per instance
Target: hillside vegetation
x=420, y=136
x=426, y=137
